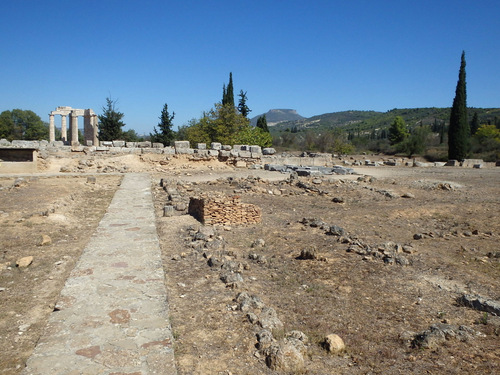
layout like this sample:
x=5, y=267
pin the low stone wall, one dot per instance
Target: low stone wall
x=225, y=210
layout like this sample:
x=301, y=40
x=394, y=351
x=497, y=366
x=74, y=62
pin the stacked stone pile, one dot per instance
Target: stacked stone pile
x=220, y=209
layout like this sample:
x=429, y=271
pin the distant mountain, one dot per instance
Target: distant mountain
x=275, y=116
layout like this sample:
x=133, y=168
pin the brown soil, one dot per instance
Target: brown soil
x=367, y=302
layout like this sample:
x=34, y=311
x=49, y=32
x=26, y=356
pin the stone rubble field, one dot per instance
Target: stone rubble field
x=391, y=270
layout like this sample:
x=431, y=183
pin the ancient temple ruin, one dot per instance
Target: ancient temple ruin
x=89, y=125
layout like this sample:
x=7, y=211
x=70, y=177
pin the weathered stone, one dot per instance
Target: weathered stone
x=333, y=343
x=335, y=230
x=45, y=240
x=268, y=151
x=308, y=254
x=168, y=210
x=439, y=333
x=268, y=319
x=24, y=262
x=216, y=146
x=264, y=339
x=480, y=303
x=285, y=357
x=231, y=277
x=259, y=243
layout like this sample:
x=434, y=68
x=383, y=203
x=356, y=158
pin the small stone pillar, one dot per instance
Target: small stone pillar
x=52, y=129
x=64, y=133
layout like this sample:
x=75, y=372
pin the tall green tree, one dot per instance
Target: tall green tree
x=228, y=92
x=262, y=123
x=23, y=125
x=242, y=104
x=474, y=125
x=166, y=134
x=110, y=122
x=398, y=131
x=459, y=130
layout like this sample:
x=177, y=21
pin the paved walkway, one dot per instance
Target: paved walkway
x=112, y=316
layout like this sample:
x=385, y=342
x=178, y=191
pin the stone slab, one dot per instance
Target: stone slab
x=112, y=315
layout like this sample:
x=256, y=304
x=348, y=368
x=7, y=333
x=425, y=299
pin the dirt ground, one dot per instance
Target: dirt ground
x=376, y=301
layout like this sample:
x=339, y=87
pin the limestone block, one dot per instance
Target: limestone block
x=131, y=144
x=244, y=154
x=234, y=153
x=119, y=143
x=268, y=151
x=106, y=144
x=56, y=144
x=43, y=143
x=215, y=146
x=224, y=153
x=213, y=152
x=227, y=147
x=201, y=152
x=158, y=145
x=101, y=148
x=151, y=150
x=255, y=149
x=256, y=155
x=169, y=150
x=334, y=343
x=4, y=142
x=144, y=144
x=115, y=150
x=24, y=262
x=181, y=144
x=452, y=163
x=201, y=146
x=187, y=151
x=240, y=164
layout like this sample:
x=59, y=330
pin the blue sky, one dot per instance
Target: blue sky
x=312, y=56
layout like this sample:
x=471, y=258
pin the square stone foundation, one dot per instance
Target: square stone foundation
x=227, y=210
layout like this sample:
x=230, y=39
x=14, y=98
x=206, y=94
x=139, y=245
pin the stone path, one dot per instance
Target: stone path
x=112, y=315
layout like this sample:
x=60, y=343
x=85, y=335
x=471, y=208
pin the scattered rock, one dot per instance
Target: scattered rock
x=335, y=230
x=408, y=195
x=439, y=333
x=284, y=356
x=45, y=240
x=258, y=243
x=333, y=343
x=308, y=254
x=480, y=303
x=268, y=319
x=24, y=262
x=338, y=200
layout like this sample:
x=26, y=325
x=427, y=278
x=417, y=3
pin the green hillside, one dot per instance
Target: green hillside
x=364, y=121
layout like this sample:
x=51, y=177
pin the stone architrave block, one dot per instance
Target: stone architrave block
x=244, y=154
x=234, y=153
x=224, y=153
x=255, y=149
x=181, y=145
x=125, y=150
x=240, y=164
x=213, y=152
x=268, y=151
x=151, y=150
x=452, y=163
x=106, y=144
x=256, y=155
x=119, y=143
x=201, y=146
x=158, y=145
x=227, y=147
x=4, y=142
x=101, y=148
x=131, y=144
x=55, y=144
x=238, y=147
x=215, y=146
x=144, y=144
x=169, y=150
x=43, y=143
x=115, y=149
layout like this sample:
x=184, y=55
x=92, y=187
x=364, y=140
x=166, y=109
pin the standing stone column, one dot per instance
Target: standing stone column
x=52, y=129
x=74, y=130
x=93, y=121
x=64, y=133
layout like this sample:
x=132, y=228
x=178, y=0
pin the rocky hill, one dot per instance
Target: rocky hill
x=275, y=116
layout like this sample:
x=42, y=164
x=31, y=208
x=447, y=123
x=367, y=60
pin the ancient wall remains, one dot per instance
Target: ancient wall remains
x=226, y=210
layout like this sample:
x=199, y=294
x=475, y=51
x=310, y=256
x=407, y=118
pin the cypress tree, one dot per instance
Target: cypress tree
x=262, y=123
x=459, y=130
x=242, y=104
x=229, y=91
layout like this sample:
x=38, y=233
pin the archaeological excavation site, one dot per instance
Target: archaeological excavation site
x=135, y=258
